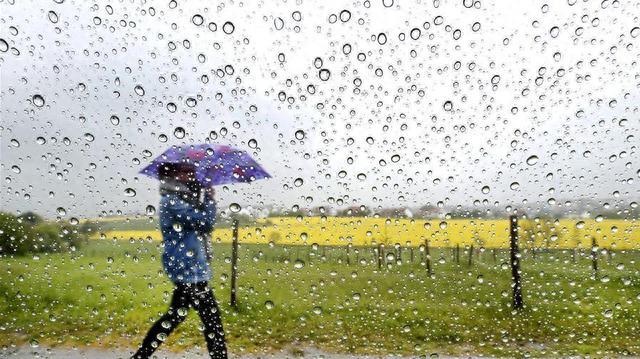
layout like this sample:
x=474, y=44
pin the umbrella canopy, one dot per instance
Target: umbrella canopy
x=214, y=164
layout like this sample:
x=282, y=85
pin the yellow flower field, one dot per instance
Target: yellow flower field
x=361, y=231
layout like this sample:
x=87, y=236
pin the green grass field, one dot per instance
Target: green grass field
x=108, y=293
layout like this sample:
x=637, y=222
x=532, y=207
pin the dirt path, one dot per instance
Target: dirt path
x=86, y=353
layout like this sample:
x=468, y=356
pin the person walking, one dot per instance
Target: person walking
x=187, y=216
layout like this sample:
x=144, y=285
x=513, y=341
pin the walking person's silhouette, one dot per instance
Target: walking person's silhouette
x=187, y=216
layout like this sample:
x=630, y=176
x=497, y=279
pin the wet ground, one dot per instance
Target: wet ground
x=88, y=353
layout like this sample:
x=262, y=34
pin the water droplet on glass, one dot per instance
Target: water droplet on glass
x=130, y=192
x=324, y=74
x=269, y=304
x=382, y=38
x=278, y=23
x=298, y=182
x=345, y=15
x=4, y=46
x=139, y=90
x=115, y=120
x=228, y=28
x=179, y=132
x=38, y=100
x=252, y=143
x=53, y=17
x=197, y=19
x=486, y=189
x=150, y=210
x=299, y=135
x=532, y=160
x=234, y=207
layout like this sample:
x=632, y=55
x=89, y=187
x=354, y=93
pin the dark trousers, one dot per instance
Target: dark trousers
x=200, y=297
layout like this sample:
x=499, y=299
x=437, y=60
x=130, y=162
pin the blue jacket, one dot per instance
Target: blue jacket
x=183, y=225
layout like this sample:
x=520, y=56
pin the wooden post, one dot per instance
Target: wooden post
x=594, y=257
x=495, y=258
x=399, y=259
x=380, y=255
x=411, y=253
x=470, y=256
x=427, y=256
x=234, y=264
x=515, y=263
x=458, y=253
x=348, y=249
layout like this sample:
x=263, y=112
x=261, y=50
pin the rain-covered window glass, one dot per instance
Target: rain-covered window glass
x=309, y=178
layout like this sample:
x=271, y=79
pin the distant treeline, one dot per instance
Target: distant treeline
x=30, y=233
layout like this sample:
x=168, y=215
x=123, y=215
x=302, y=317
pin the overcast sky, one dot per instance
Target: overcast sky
x=400, y=102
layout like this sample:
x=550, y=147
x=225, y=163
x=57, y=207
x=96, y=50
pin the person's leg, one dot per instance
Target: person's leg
x=205, y=304
x=166, y=324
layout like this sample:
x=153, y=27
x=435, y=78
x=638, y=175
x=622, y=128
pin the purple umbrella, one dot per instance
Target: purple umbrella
x=215, y=164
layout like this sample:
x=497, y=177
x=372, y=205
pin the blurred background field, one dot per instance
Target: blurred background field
x=366, y=231
x=107, y=292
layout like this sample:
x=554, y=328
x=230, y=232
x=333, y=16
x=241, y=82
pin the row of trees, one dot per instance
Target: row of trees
x=30, y=233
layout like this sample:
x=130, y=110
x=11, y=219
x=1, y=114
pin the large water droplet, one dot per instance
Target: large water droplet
x=150, y=210
x=197, y=19
x=532, y=160
x=179, y=132
x=139, y=90
x=115, y=120
x=53, y=17
x=228, y=28
x=38, y=100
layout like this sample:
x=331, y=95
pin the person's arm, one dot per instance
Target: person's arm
x=208, y=209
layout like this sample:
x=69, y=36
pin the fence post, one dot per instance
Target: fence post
x=427, y=256
x=458, y=253
x=594, y=257
x=495, y=258
x=348, y=249
x=234, y=264
x=379, y=254
x=470, y=256
x=515, y=263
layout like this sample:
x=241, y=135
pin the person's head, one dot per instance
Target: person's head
x=181, y=172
